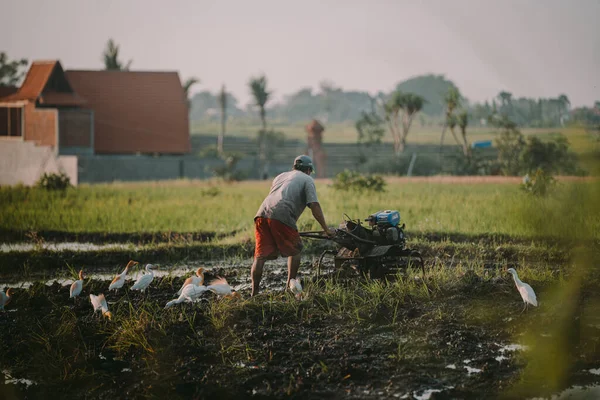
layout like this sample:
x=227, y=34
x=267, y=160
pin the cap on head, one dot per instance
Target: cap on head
x=303, y=162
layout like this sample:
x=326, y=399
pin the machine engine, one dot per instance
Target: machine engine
x=385, y=227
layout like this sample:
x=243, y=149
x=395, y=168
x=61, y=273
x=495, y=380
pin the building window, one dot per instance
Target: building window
x=10, y=121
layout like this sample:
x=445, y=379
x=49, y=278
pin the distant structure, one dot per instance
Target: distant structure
x=315, y=146
x=74, y=121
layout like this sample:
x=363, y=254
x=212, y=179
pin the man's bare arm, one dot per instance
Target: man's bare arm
x=317, y=212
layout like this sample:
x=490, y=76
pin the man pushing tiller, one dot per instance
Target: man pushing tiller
x=275, y=222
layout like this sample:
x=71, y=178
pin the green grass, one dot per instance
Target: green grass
x=188, y=206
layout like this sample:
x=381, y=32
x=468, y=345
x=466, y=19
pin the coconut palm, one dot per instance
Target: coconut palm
x=258, y=88
x=111, y=58
x=463, y=122
x=411, y=104
x=189, y=82
x=453, y=101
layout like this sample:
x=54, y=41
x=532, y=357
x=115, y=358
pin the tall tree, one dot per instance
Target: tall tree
x=453, y=101
x=564, y=105
x=11, y=72
x=258, y=89
x=410, y=104
x=223, y=105
x=111, y=58
x=463, y=122
x=187, y=85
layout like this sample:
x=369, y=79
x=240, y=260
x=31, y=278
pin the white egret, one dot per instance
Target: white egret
x=76, y=287
x=295, y=287
x=189, y=293
x=527, y=293
x=99, y=304
x=144, y=281
x=222, y=288
x=119, y=280
x=5, y=298
x=197, y=280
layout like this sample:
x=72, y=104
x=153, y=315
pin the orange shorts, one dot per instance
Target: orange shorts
x=274, y=238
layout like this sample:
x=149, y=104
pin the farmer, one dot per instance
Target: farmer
x=275, y=222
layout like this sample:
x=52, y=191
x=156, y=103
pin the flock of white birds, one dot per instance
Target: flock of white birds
x=193, y=287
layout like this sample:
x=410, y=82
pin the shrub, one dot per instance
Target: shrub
x=52, y=181
x=228, y=171
x=356, y=182
x=539, y=184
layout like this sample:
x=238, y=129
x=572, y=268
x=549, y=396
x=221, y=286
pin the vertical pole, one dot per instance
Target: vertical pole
x=8, y=120
x=412, y=164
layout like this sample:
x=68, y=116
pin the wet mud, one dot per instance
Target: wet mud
x=270, y=346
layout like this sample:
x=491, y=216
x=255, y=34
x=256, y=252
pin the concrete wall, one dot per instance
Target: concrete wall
x=40, y=125
x=24, y=162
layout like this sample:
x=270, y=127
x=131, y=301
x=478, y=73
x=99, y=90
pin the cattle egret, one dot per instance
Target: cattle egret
x=220, y=287
x=99, y=304
x=5, y=298
x=189, y=293
x=295, y=287
x=197, y=279
x=144, y=281
x=76, y=287
x=527, y=293
x=119, y=280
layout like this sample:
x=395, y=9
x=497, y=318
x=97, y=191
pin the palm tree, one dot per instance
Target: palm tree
x=189, y=82
x=223, y=104
x=258, y=88
x=452, y=100
x=411, y=104
x=564, y=105
x=111, y=58
x=463, y=121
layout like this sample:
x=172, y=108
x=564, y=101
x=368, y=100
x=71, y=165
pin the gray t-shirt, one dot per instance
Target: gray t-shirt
x=289, y=195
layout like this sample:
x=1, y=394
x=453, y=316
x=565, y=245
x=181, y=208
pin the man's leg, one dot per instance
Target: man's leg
x=256, y=273
x=293, y=265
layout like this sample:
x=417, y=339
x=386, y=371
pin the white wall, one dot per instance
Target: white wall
x=24, y=162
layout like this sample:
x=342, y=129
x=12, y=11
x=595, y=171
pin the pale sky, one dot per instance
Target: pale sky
x=528, y=47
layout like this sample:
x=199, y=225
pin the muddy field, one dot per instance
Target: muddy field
x=456, y=333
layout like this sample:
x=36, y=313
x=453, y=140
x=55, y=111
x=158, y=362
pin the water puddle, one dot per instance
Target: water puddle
x=72, y=246
x=10, y=380
x=104, y=274
x=471, y=370
x=575, y=392
x=426, y=395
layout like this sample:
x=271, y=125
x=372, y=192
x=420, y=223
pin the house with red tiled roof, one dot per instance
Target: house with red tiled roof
x=106, y=125
x=97, y=112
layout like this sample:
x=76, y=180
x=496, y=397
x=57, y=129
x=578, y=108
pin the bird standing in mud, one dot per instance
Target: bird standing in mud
x=76, y=287
x=145, y=280
x=189, y=293
x=197, y=280
x=99, y=304
x=527, y=293
x=5, y=298
x=220, y=287
x=119, y=280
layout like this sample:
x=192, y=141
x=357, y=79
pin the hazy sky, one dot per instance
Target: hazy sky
x=528, y=47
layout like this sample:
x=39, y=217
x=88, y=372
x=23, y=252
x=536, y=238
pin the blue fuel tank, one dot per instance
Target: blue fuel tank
x=388, y=217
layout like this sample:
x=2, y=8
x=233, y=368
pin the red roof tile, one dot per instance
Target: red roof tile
x=61, y=99
x=135, y=111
